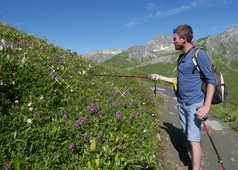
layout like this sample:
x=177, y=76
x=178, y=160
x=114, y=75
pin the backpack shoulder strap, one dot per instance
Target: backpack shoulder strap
x=194, y=59
x=179, y=59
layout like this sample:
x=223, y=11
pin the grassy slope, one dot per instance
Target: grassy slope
x=121, y=61
x=55, y=115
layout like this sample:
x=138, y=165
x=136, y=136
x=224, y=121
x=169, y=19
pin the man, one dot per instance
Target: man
x=193, y=104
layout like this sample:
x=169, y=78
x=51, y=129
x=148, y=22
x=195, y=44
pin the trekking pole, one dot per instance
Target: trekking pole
x=220, y=161
x=128, y=76
x=116, y=75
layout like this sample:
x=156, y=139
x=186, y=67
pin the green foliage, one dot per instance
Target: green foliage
x=55, y=115
x=228, y=112
x=160, y=68
x=234, y=64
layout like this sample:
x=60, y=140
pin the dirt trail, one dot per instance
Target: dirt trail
x=224, y=138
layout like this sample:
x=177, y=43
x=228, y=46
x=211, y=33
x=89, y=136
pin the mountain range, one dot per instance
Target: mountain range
x=161, y=49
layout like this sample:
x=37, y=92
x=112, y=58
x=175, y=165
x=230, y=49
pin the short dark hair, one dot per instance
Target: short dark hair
x=184, y=31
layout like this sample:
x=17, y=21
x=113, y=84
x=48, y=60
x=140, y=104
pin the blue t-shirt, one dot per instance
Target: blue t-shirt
x=189, y=79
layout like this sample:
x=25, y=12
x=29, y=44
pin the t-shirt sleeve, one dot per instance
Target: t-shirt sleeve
x=206, y=67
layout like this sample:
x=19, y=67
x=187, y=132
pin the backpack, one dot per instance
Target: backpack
x=220, y=94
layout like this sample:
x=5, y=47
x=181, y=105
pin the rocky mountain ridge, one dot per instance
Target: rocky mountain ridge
x=152, y=48
x=161, y=48
x=224, y=43
x=102, y=55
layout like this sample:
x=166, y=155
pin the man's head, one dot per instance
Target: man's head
x=182, y=35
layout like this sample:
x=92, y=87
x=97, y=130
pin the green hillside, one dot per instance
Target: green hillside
x=121, y=60
x=55, y=115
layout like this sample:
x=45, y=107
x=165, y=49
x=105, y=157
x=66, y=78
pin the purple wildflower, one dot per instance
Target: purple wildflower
x=142, y=110
x=54, y=154
x=100, y=113
x=80, y=121
x=9, y=44
x=86, y=136
x=72, y=147
x=125, y=92
x=92, y=108
x=132, y=105
x=53, y=75
x=8, y=168
x=60, y=59
x=129, y=94
x=98, y=137
x=44, y=49
x=114, y=104
x=130, y=118
x=118, y=116
x=65, y=113
x=114, y=93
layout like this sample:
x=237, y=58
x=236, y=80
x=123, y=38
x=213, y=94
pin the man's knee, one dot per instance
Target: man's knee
x=195, y=144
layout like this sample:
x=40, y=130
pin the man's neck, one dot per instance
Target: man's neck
x=187, y=47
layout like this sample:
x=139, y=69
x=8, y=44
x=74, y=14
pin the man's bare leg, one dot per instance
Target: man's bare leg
x=196, y=154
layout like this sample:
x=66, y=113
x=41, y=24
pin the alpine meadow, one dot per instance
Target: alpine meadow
x=55, y=114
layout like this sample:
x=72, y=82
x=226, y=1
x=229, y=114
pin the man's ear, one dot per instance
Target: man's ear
x=184, y=39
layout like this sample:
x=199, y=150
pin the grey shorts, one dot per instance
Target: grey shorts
x=189, y=121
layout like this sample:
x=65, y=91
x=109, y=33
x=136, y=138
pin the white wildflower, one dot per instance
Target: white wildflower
x=3, y=42
x=31, y=109
x=29, y=121
x=23, y=60
x=158, y=136
x=144, y=130
x=19, y=49
x=1, y=48
x=13, y=82
x=29, y=104
x=41, y=97
x=83, y=72
x=16, y=101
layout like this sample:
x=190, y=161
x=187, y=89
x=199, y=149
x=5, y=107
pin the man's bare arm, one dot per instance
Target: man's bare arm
x=163, y=78
x=203, y=111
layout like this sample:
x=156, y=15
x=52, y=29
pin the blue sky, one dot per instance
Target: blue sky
x=87, y=25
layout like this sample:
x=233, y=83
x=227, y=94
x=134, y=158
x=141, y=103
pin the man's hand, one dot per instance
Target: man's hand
x=153, y=76
x=202, y=112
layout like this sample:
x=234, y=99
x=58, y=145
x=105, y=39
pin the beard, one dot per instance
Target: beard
x=178, y=47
